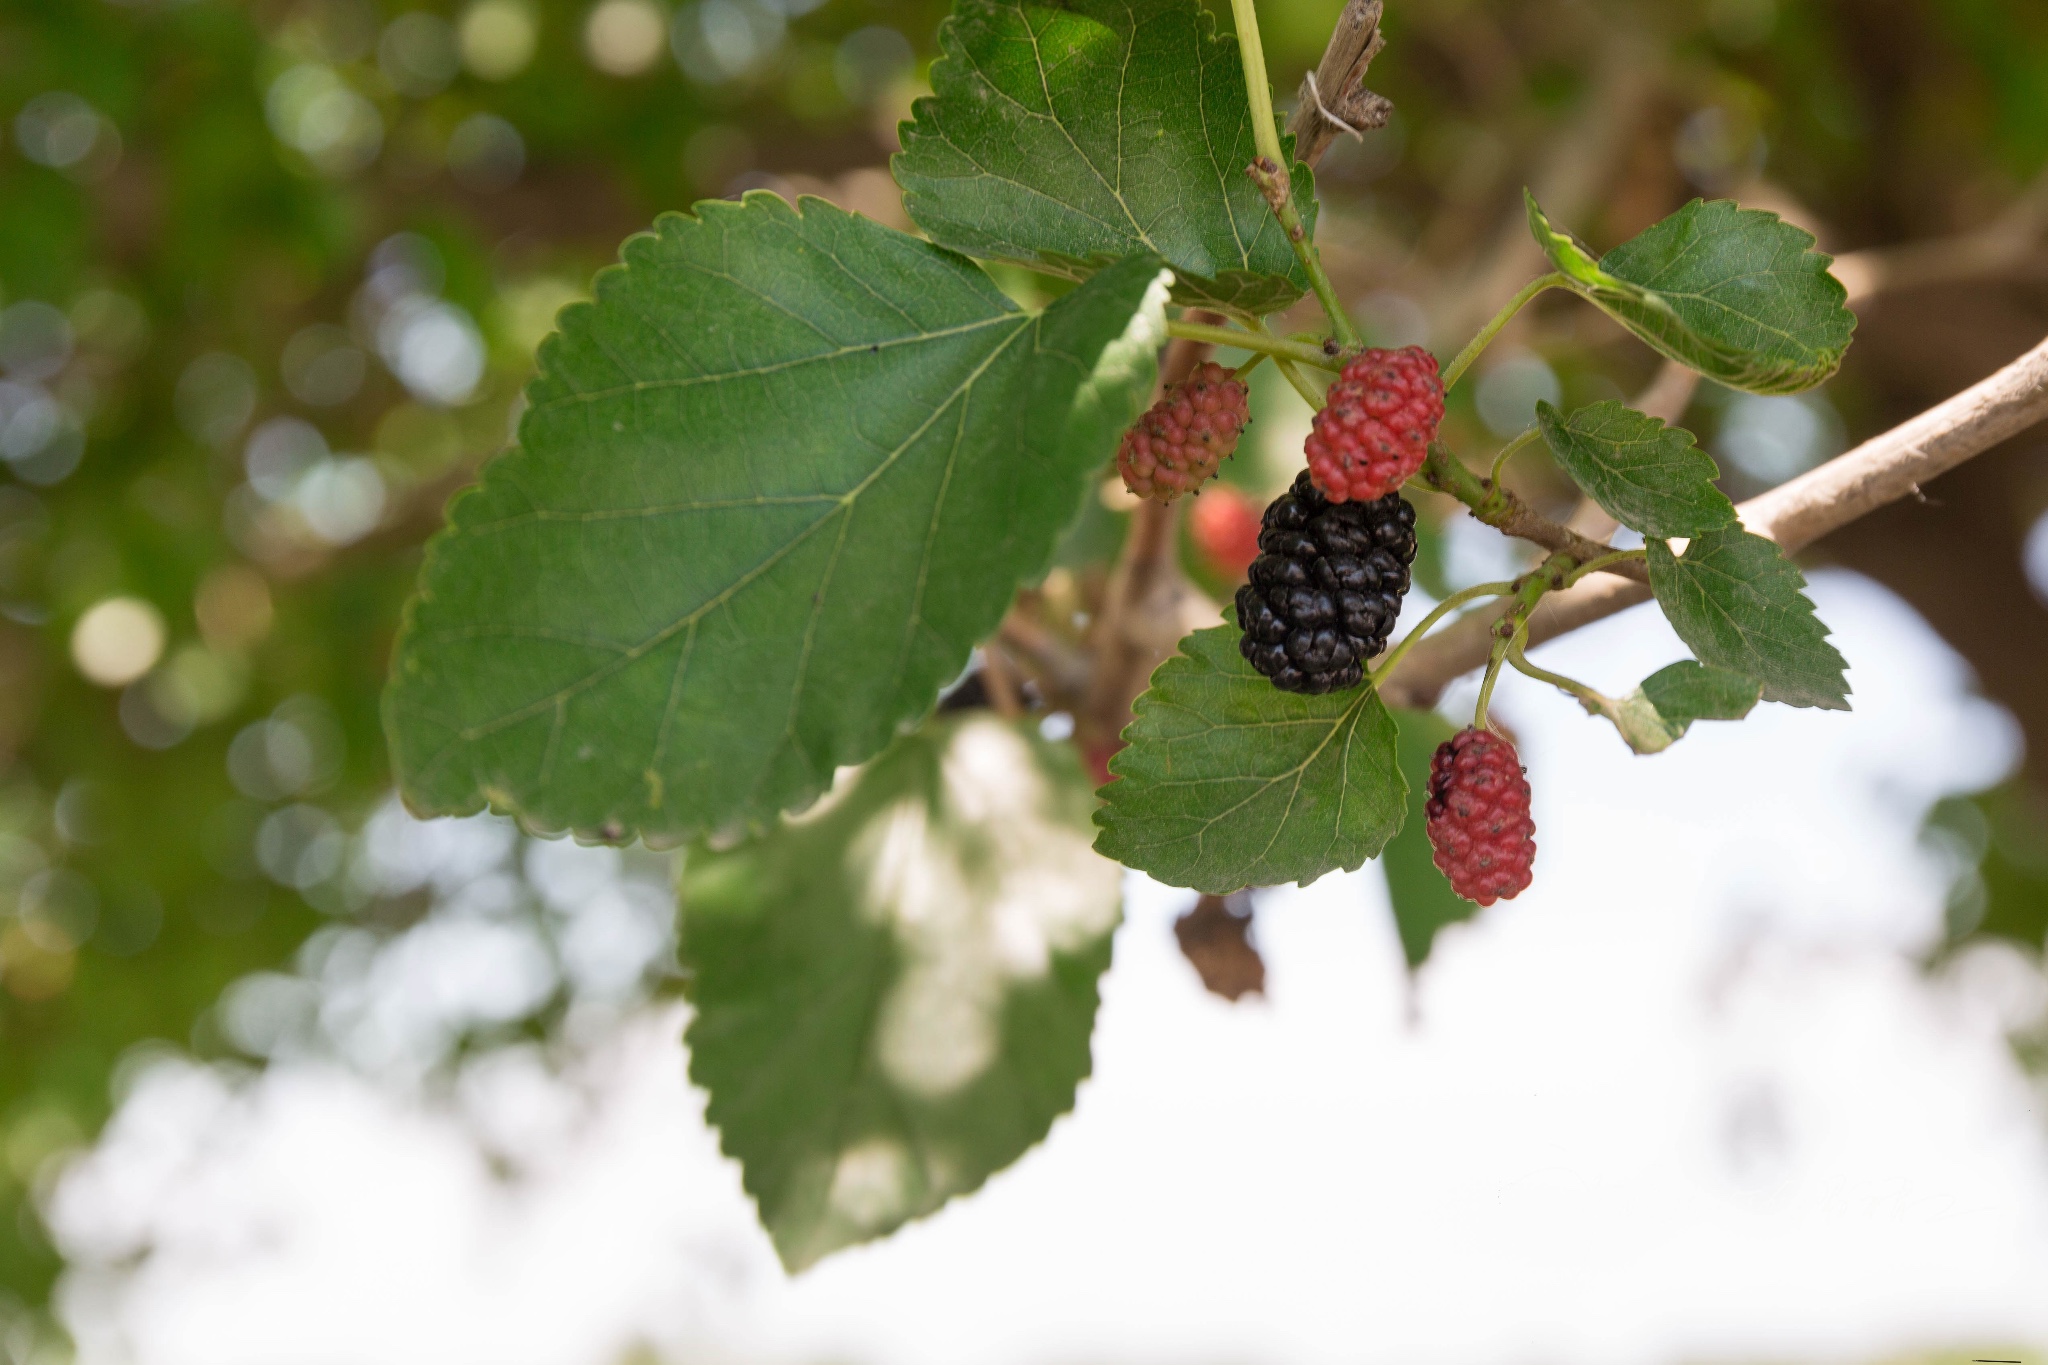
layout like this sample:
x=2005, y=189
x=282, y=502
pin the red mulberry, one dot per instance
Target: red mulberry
x=1376, y=424
x=1479, y=821
x=1175, y=447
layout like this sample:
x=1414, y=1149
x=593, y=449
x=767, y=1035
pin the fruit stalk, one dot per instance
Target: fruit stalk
x=1280, y=348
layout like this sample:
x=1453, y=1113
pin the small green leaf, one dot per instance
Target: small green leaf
x=1649, y=476
x=1738, y=294
x=1656, y=715
x=1422, y=897
x=1063, y=136
x=1227, y=782
x=1741, y=605
x=894, y=992
x=1689, y=690
x=772, y=487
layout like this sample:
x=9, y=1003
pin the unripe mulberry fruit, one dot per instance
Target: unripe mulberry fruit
x=1376, y=424
x=1225, y=527
x=1175, y=447
x=1479, y=823
x=1326, y=589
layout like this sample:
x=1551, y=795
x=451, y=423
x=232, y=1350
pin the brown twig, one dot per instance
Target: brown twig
x=1516, y=518
x=1124, y=654
x=1881, y=470
x=1060, y=670
x=2005, y=242
x=1337, y=85
x=1507, y=513
x=1001, y=682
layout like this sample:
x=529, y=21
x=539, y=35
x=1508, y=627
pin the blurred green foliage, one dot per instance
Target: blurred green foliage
x=214, y=217
x=1996, y=841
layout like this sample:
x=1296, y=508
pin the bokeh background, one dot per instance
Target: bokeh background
x=287, y=1076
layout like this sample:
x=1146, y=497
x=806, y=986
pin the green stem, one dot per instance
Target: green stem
x=1507, y=451
x=1301, y=386
x=1258, y=87
x=1422, y=628
x=1253, y=341
x=1270, y=172
x=1595, y=701
x=1444, y=472
x=1244, y=371
x=1513, y=625
x=1604, y=562
x=1486, y=687
x=1456, y=369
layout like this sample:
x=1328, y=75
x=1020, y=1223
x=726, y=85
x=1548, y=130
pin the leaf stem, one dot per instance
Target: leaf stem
x=1265, y=342
x=1513, y=625
x=1486, y=687
x=1507, y=451
x=1308, y=392
x=1593, y=700
x=1301, y=386
x=1270, y=171
x=1604, y=562
x=1455, y=371
x=1441, y=610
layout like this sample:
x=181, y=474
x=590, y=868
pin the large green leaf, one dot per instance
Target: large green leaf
x=1226, y=781
x=1738, y=294
x=1741, y=605
x=1648, y=476
x=774, y=484
x=1657, y=714
x=894, y=992
x=1063, y=136
x=1422, y=897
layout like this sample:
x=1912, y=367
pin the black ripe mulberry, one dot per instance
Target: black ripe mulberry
x=1325, y=588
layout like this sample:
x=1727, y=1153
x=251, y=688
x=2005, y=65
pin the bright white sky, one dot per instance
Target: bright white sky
x=1686, y=1098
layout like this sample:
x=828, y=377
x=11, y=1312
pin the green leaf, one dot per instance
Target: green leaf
x=1063, y=136
x=1422, y=897
x=773, y=485
x=1996, y=843
x=1227, y=782
x=1738, y=294
x=1656, y=715
x=894, y=992
x=1689, y=690
x=1649, y=476
x=1741, y=605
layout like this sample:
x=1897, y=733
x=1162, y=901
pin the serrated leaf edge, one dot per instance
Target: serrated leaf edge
x=501, y=803
x=1230, y=290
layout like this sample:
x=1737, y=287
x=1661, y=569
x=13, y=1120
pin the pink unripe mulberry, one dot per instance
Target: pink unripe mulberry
x=1376, y=424
x=1225, y=527
x=1175, y=447
x=1479, y=823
